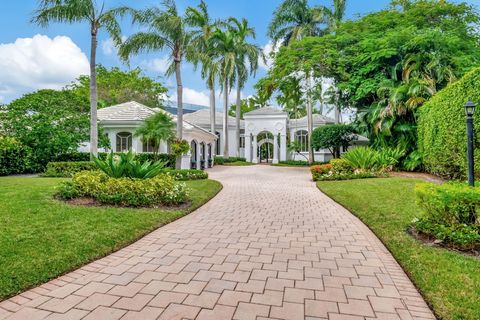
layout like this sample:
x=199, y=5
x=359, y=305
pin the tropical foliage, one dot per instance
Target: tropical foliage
x=125, y=165
x=98, y=18
x=155, y=129
x=15, y=158
x=334, y=138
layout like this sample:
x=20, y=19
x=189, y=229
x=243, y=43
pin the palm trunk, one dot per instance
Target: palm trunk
x=225, y=121
x=309, y=120
x=179, y=107
x=237, y=117
x=212, y=115
x=93, y=96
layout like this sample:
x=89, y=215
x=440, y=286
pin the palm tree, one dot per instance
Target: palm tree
x=71, y=11
x=155, y=129
x=165, y=30
x=245, y=53
x=200, y=20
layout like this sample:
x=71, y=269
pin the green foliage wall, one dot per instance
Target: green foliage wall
x=442, y=129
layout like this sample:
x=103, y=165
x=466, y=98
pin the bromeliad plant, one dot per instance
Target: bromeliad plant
x=127, y=166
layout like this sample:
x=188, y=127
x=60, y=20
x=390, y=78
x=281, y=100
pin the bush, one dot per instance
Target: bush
x=127, y=165
x=450, y=213
x=341, y=166
x=222, y=160
x=320, y=170
x=441, y=128
x=300, y=163
x=67, y=169
x=346, y=176
x=168, y=159
x=14, y=157
x=362, y=159
x=184, y=175
x=333, y=137
x=127, y=192
x=338, y=169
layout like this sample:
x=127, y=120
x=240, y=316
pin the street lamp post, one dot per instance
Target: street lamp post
x=470, y=110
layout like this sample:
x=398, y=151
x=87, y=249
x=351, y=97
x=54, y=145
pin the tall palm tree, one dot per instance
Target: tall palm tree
x=155, y=129
x=245, y=53
x=204, y=26
x=72, y=11
x=223, y=43
x=166, y=29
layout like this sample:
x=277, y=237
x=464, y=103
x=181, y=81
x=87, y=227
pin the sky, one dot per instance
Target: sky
x=32, y=57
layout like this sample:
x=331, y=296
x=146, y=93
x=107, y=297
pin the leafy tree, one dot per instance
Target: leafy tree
x=116, y=86
x=72, y=11
x=49, y=122
x=155, y=129
x=333, y=137
x=165, y=29
x=246, y=105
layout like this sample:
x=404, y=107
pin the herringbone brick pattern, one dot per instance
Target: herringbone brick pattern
x=269, y=246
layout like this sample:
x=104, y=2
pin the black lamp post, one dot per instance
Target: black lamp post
x=470, y=110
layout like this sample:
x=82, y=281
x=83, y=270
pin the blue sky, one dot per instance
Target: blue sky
x=32, y=57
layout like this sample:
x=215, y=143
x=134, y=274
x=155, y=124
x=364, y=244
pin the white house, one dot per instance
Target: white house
x=264, y=134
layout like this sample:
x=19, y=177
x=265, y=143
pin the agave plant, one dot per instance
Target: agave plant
x=125, y=165
x=362, y=158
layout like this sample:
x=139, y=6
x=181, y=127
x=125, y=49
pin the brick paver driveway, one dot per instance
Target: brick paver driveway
x=270, y=245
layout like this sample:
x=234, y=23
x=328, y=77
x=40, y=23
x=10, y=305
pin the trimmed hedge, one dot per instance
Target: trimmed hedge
x=222, y=160
x=125, y=192
x=14, y=157
x=184, y=175
x=442, y=130
x=299, y=163
x=450, y=213
x=169, y=159
x=67, y=169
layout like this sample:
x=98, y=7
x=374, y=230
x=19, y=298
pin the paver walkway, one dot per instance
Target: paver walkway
x=269, y=246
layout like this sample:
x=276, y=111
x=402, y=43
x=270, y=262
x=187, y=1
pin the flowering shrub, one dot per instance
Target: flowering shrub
x=320, y=170
x=184, y=175
x=128, y=192
x=337, y=169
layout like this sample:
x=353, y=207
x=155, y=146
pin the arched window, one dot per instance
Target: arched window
x=301, y=137
x=124, y=142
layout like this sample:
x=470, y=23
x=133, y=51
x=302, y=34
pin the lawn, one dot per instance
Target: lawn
x=41, y=238
x=449, y=281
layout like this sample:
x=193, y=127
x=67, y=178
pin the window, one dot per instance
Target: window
x=124, y=141
x=217, y=144
x=301, y=137
x=149, y=146
x=242, y=141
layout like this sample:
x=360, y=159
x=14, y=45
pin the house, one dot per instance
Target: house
x=264, y=134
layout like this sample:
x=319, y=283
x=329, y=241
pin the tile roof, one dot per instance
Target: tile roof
x=266, y=111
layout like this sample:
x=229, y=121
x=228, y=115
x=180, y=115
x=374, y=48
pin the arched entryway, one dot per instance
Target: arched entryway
x=265, y=147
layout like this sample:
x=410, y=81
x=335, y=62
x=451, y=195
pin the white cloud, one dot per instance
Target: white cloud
x=268, y=50
x=108, y=46
x=158, y=65
x=203, y=97
x=39, y=63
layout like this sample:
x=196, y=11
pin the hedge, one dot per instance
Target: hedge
x=222, y=160
x=442, y=129
x=169, y=159
x=184, y=175
x=67, y=169
x=14, y=157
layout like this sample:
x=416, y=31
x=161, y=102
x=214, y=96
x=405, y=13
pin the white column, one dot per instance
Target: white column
x=283, y=147
x=248, y=148
x=112, y=136
x=254, y=155
x=275, y=149
x=199, y=156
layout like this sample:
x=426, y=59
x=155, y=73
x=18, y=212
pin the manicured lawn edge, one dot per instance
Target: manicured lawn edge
x=118, y=244
x=446, y=279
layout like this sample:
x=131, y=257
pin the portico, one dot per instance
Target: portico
x=266, y=120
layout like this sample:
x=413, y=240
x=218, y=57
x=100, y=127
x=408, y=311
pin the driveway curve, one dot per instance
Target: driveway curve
x=268, y=246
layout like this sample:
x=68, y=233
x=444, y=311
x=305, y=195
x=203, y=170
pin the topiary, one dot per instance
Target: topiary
x=442, y=129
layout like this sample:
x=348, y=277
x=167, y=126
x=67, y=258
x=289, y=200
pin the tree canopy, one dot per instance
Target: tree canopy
x=116, y=86
x=333, y=137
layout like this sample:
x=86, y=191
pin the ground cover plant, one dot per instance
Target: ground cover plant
x=448, y=280
x=60, y=237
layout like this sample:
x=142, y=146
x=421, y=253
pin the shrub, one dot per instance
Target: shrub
x=222, y=160
x=14, y=157
x=128, y=192
x=68, y=169
x=127, y=165
x=346, y=176
x=184, y=175
x=341, y=166
x=320, y=170
x=449, y=213
x=300, y=163
x=333, y=137
x=441, y=128
x=413, y=161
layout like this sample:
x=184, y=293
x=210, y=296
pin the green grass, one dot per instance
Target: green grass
x=449, y=281
x=41, y=238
